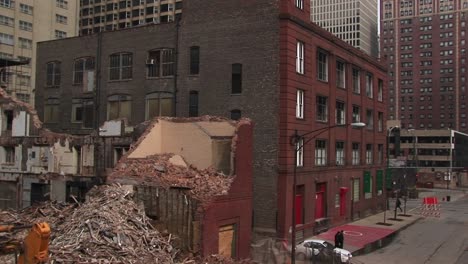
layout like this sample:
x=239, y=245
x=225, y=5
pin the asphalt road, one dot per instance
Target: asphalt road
x=430, y=240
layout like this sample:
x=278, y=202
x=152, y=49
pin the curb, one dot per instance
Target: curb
x=383, y=241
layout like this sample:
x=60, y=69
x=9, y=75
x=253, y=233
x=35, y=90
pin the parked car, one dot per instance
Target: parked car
x=322, y=251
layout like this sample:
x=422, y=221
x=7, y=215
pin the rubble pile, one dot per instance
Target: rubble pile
x=158, y=170
x=108, y=228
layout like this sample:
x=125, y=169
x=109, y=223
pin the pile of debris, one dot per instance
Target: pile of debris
x=108, y=228
x=169, y=170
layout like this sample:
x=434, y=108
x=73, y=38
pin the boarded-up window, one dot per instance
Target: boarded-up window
x=159, y=104
x=227, y=241
x=194, y=60
x=51, y=111
x=193, y=103
x=236, y=114
x=119, y=106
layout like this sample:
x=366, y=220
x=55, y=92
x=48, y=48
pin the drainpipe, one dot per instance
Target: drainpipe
x=97, y=97
x=176, y=70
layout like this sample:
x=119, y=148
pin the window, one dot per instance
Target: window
x=380, y=91
x=159, y=104
x=7, y=3
x=194, y=60
x=53, y=73
x=25, y=43
x=340, y=74
x=322, y=66
x=82, y=69
x=7, y=21
x=299, y=152
x=60, y=34
x=83, y=112
x=26, y=9
x=355, y=153
x=370, y=119
x=369, y=86
x=161, y=63
x=193, y=103
x=340, y=153
x=380, y=121
x=369, y=158
x=236, y=79
x=62, y=4
x=119, y=106
x=23, y=25
x=236, y=114
x=61, y=19
x=322, y=108
x=340, y=113
x=300, y=57
x=320, y=152
x=356, y=190
x=120, y=67
x=356, y=81
x=6, y=39
x=367, y=185
x=300, y=104
x=51, y=111
x=9, y=155
x=356, y=114
x=23, y=80
x=300, y=4
x=380, y=153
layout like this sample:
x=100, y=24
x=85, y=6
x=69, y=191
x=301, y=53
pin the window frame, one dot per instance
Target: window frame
x=320, y=152
x=119, y=57
x=120, y=99
x=322, y=65
x=340, y=153
x=340, y=74
x=299, y=148
x=194, y=67
x=321, y=109
x=355, y=157
x=300, y=55
x=299, y=4
x=300, y=104
x=356, y=81
x=86, y=61
x=340, y=113
x=53, y=78
x=369, y=154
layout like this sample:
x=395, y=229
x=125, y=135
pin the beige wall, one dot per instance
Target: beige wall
x=195, y=142
x=44, y=26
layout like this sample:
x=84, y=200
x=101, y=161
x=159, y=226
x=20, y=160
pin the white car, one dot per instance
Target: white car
x=322, y=251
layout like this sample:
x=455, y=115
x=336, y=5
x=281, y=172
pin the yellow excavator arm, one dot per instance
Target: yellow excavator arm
x=35, y=247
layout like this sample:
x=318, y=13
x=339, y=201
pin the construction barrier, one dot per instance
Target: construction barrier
x=430, y=207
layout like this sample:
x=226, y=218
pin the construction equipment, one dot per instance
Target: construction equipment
x=34, y=249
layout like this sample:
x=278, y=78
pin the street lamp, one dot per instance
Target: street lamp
x=299, y=141
x=389, y=132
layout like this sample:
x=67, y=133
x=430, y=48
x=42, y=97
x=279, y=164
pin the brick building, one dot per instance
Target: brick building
x=425, y=45
x=264, y=60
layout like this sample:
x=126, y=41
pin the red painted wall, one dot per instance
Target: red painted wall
x=236, y=207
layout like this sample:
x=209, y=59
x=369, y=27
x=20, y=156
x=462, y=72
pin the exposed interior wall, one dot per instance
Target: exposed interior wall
x=8, y=166
x=21, y=124
x=38, y=158
x=65, y=159
x=196, y=142
x=8, y=197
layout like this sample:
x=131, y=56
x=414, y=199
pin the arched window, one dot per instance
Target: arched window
x=161, y=63
x=159, y=104
x=119, y=106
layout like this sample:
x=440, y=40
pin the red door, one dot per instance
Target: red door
x=319, y=210
x=298, y=209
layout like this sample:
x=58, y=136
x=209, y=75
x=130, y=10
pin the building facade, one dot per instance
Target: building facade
x=354, y=21
x=424, y=43
x=23, y=23
x=252, y=66
x=97, y=16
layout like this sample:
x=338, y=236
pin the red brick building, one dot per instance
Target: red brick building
x=261, y=59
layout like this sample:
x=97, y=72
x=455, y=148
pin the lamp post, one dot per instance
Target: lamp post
x=389, y=132
x=299, y=141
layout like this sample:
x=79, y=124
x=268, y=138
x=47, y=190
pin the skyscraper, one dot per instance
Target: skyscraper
x=23, y=23
x=354, y=21
x=424, y=43
x=98, y=15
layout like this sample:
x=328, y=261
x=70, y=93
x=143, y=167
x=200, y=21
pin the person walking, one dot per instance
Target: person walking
x=337, y=239
x=398, y=204
x=341, y=239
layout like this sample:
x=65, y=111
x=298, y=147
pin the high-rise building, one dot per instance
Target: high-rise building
x=98, y=15
x=424, y=43
x=23, y=23
x=354, y=21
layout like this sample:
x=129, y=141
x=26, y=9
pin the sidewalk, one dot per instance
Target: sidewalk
x=368, y=234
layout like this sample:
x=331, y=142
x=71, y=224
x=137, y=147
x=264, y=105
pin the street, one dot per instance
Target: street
x=430, y=240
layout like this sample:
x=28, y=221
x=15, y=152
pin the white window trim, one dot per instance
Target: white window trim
x=300, y=57
x=299, y=147
x=300, y=104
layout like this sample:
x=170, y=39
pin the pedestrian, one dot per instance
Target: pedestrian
x=398, y=204
x=337, y=239
x=341, y=239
